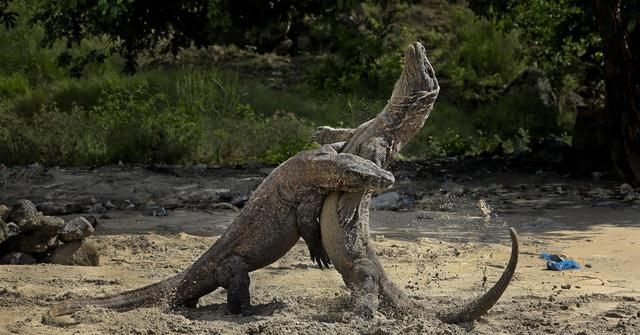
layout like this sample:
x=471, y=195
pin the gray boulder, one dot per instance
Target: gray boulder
x=76, y=229
x=22, y=210
x=38, y=234
x=82, y=253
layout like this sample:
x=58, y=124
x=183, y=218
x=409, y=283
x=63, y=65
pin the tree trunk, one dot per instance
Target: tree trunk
x=622, y=87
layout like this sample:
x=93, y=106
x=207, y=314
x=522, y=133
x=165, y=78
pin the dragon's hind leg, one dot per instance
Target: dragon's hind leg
x=233, y=275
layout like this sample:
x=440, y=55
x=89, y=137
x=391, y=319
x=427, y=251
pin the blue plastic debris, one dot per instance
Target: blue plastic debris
x=558, y=263
x=563, y=265
x=551, y=257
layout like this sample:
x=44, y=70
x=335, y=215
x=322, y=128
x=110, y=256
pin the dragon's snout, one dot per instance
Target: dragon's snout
x=418, y=72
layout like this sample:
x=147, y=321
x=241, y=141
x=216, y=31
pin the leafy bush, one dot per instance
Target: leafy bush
x=174, y=116
x=14, y=85
x=480, y=59
x=364, y=59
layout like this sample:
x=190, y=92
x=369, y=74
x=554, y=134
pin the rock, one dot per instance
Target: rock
x=565, y=286
x=599, y=193
x=22, y=210
x=17, y=258
x=12, y=229
x=4, y=213
x=4, y=231
x=76, y=229
x=93, y=220
x=631, y=196
x=97, y=208
x=387, y=200
x=155, y=211
x=627, y=191
x=237, y=199
x=82, y=253
x=199, y=167
x=452, y=188
x=38, y=234
x=127, y=204
x=625, y=188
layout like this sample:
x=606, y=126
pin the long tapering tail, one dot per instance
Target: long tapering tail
x=152, y=295
x=479, y=306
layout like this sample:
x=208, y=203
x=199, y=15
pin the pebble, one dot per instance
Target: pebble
x=155, y=211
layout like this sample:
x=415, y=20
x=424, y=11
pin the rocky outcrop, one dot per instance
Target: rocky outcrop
x=27, y=237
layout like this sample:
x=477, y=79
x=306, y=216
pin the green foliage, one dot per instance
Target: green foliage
x=174, y=116
x=14, y=85
x=7, y=17
x=561, y=36
x=480, y=59
x=134, y=27
x=143, y=126
x=179, y=113
x=363, y=58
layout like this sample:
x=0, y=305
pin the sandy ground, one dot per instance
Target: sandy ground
x=439, y=247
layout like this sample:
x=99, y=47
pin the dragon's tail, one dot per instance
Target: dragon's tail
x=479, y=306
x=152, y=295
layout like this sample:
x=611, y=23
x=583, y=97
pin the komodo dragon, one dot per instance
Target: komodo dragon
x=284, y=207
x=344, y=219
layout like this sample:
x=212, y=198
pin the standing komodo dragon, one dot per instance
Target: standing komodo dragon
x=344, y=219
x=284, y=207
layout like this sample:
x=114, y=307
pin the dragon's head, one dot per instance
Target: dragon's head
x=418, y=81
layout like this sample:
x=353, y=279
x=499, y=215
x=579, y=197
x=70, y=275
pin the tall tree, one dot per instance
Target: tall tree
x=622, y=82
x=599, y=40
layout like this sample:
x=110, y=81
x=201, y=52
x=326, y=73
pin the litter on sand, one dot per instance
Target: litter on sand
x=559, y=262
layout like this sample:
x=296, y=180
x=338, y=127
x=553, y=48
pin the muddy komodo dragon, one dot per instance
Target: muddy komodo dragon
x=344, y=218
x=284, y=207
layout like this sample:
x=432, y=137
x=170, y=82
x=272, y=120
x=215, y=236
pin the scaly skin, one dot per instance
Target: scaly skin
x=344, y=219
x=284, y=207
